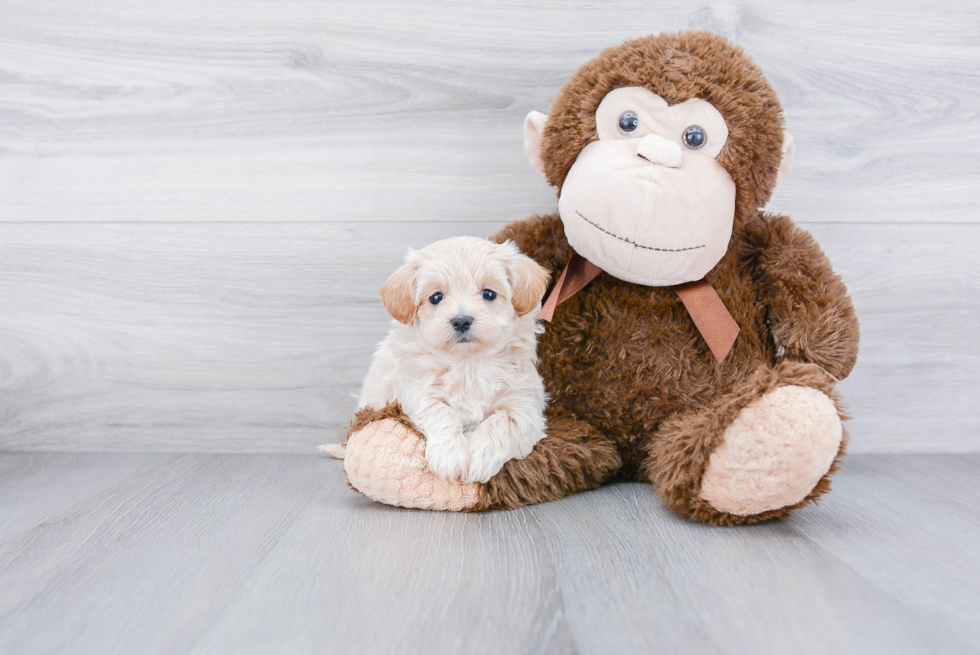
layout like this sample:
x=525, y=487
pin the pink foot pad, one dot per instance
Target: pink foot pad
x=774, y=453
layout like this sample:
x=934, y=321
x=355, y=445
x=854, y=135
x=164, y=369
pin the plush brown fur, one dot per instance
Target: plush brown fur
x=367, y=415
x=573, y=457
x=626, y=359
x=629, y=361
x=635, y=391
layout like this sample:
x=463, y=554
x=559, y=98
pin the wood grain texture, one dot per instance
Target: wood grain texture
x=399, y=581
x=935, y=500
x=255, y=338
x=198, y=200
x=33, y=484
x=168, y=548
x=274, y=554
x=623, y=560
x=331, y=111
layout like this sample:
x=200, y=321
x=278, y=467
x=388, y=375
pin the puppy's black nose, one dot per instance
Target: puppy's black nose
x=461, y=323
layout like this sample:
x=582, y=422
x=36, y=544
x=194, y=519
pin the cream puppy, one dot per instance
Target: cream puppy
x=461, y=354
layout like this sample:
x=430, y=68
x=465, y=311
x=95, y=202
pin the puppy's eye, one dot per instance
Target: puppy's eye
x=489, y=294
x=435, y=298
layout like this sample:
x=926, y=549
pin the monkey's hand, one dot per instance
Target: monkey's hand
x=810, y=312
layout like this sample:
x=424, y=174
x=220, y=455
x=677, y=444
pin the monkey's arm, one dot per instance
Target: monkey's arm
x=810, y=312
x=542, y=238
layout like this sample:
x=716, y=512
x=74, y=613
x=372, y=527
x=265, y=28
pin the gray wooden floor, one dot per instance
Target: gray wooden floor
x=147, y=553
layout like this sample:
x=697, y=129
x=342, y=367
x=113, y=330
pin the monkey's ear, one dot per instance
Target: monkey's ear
x=398, y=292
x=533, y=131
x=787, y=161
x=528, y=281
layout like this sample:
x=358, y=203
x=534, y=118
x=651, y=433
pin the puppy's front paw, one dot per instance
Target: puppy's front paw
x=448, y=457
x=486, y=460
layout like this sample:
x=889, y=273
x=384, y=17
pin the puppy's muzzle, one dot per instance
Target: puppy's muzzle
x=461, y=323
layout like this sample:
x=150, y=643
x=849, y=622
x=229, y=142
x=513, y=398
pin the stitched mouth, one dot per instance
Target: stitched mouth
x=634, y=243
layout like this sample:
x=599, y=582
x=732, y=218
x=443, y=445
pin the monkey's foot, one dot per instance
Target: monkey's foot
x=774, y=453
x=386, y=462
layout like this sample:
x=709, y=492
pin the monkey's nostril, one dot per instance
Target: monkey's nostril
x=461, y=323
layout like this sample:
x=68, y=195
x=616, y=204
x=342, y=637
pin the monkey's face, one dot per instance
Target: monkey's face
x=647, y=202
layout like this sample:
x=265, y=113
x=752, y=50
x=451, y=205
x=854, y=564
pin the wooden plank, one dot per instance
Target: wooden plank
x=254, y=338
x=34, y=486
x=354, y=576
x=947, y=480
x=637, y=578
x=297, y=111
x=148, y=566
x=923, y=504
x=259, y=553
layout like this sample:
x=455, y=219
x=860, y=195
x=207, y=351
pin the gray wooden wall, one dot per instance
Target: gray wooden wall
x=199, y=198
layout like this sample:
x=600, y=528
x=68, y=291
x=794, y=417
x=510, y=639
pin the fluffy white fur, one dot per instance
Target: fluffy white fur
x=476, y=394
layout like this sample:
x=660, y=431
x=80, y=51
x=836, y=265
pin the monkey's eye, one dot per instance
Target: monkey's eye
x=489, y=294
x=695, y=137
x=435, y=298
x=628, y=122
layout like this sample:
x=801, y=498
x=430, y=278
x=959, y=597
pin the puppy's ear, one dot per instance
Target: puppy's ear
x=398, y=292
x=528, y=280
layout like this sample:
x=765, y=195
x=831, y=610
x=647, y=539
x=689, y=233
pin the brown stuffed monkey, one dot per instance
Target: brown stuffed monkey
x=695, y=341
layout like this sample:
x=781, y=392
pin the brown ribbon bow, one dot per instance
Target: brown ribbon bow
x=706, y=308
